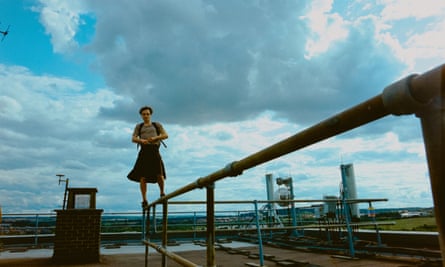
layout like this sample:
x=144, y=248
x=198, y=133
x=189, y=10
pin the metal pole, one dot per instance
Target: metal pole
x=346, y=210
x=372, y=214
x=356, y=116
x=36, y=237
x=211, y=261
x=260, y=239
x=155, y=224
x=143, y=224
x=146, y=256
x=293, y=209
x=164, y=229
x=64, y=195
x=433, y=127
x=194, y=225
x=361, y=114
x=177, y=258
x=429, y=89
x=146, y=231
x=66, y=188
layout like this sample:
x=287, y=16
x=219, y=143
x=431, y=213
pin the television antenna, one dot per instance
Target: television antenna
x=66, y=187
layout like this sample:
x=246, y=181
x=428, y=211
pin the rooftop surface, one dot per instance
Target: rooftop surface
x=228, y=255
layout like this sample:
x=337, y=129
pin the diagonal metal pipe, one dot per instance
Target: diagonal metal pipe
x=422, y=95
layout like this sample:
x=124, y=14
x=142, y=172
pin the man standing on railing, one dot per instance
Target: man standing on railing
x=149, y=167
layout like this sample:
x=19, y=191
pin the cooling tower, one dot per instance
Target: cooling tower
x=269, y=187
x=349, y=188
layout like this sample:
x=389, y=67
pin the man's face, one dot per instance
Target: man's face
x=145, y=114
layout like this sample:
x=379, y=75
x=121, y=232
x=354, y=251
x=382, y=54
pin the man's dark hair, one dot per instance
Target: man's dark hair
x=145, y=108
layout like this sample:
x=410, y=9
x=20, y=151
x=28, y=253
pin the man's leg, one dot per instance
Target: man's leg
x=161, y=184
x=143, y=186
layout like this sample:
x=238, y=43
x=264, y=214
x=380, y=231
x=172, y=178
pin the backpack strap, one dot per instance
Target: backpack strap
x=139, y=133
x=140, y=129
x=158, y=130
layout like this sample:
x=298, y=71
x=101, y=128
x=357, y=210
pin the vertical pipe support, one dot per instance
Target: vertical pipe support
x=64, y=194
x=143, y=224
x=194, y=226
x=371, y=213
x=36, y=234
x=146, y=231
x=155, y=224
x=430, y=87
x=258, y=229
x=433, y=128
x=211, y=261
x=346, y=212
x=293, y=209
x=164, y=230
x=424, y=95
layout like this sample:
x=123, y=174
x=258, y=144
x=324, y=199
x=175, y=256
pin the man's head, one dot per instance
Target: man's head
x=145, y=108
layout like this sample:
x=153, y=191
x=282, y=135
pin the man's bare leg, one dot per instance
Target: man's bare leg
x=143, y=186
x=161, y=185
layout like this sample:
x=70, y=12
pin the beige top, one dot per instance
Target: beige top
x=148, y=131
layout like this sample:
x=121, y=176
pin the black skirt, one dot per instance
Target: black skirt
x=149, y=165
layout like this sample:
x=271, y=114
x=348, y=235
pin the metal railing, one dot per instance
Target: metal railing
x=422, y=95
x=38, y=229
x=259, y=221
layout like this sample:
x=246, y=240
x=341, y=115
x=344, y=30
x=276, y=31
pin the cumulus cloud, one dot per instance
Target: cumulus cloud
x=326, y=27
x=396, y=10
x=61, y=21
x=202, y=61
x=226, y=78
x=416, y=44
x=228, y=61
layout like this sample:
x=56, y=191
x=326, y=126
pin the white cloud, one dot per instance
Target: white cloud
x=416, y=43
x=397, y=10
x=326, y=28
x=194, y=152
x=10, y=108
x=226, y=79
x=59, y=99
x=412, y=29
x=61, y=20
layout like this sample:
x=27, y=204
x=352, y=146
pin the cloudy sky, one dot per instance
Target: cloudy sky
x=225, y=78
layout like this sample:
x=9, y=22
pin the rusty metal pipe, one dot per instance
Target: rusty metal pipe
x=411, y=95
x=171, y=255
x=363, y=113
x=421, y=89
x=429, y=85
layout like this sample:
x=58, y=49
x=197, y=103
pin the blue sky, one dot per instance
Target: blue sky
x=226, y=79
